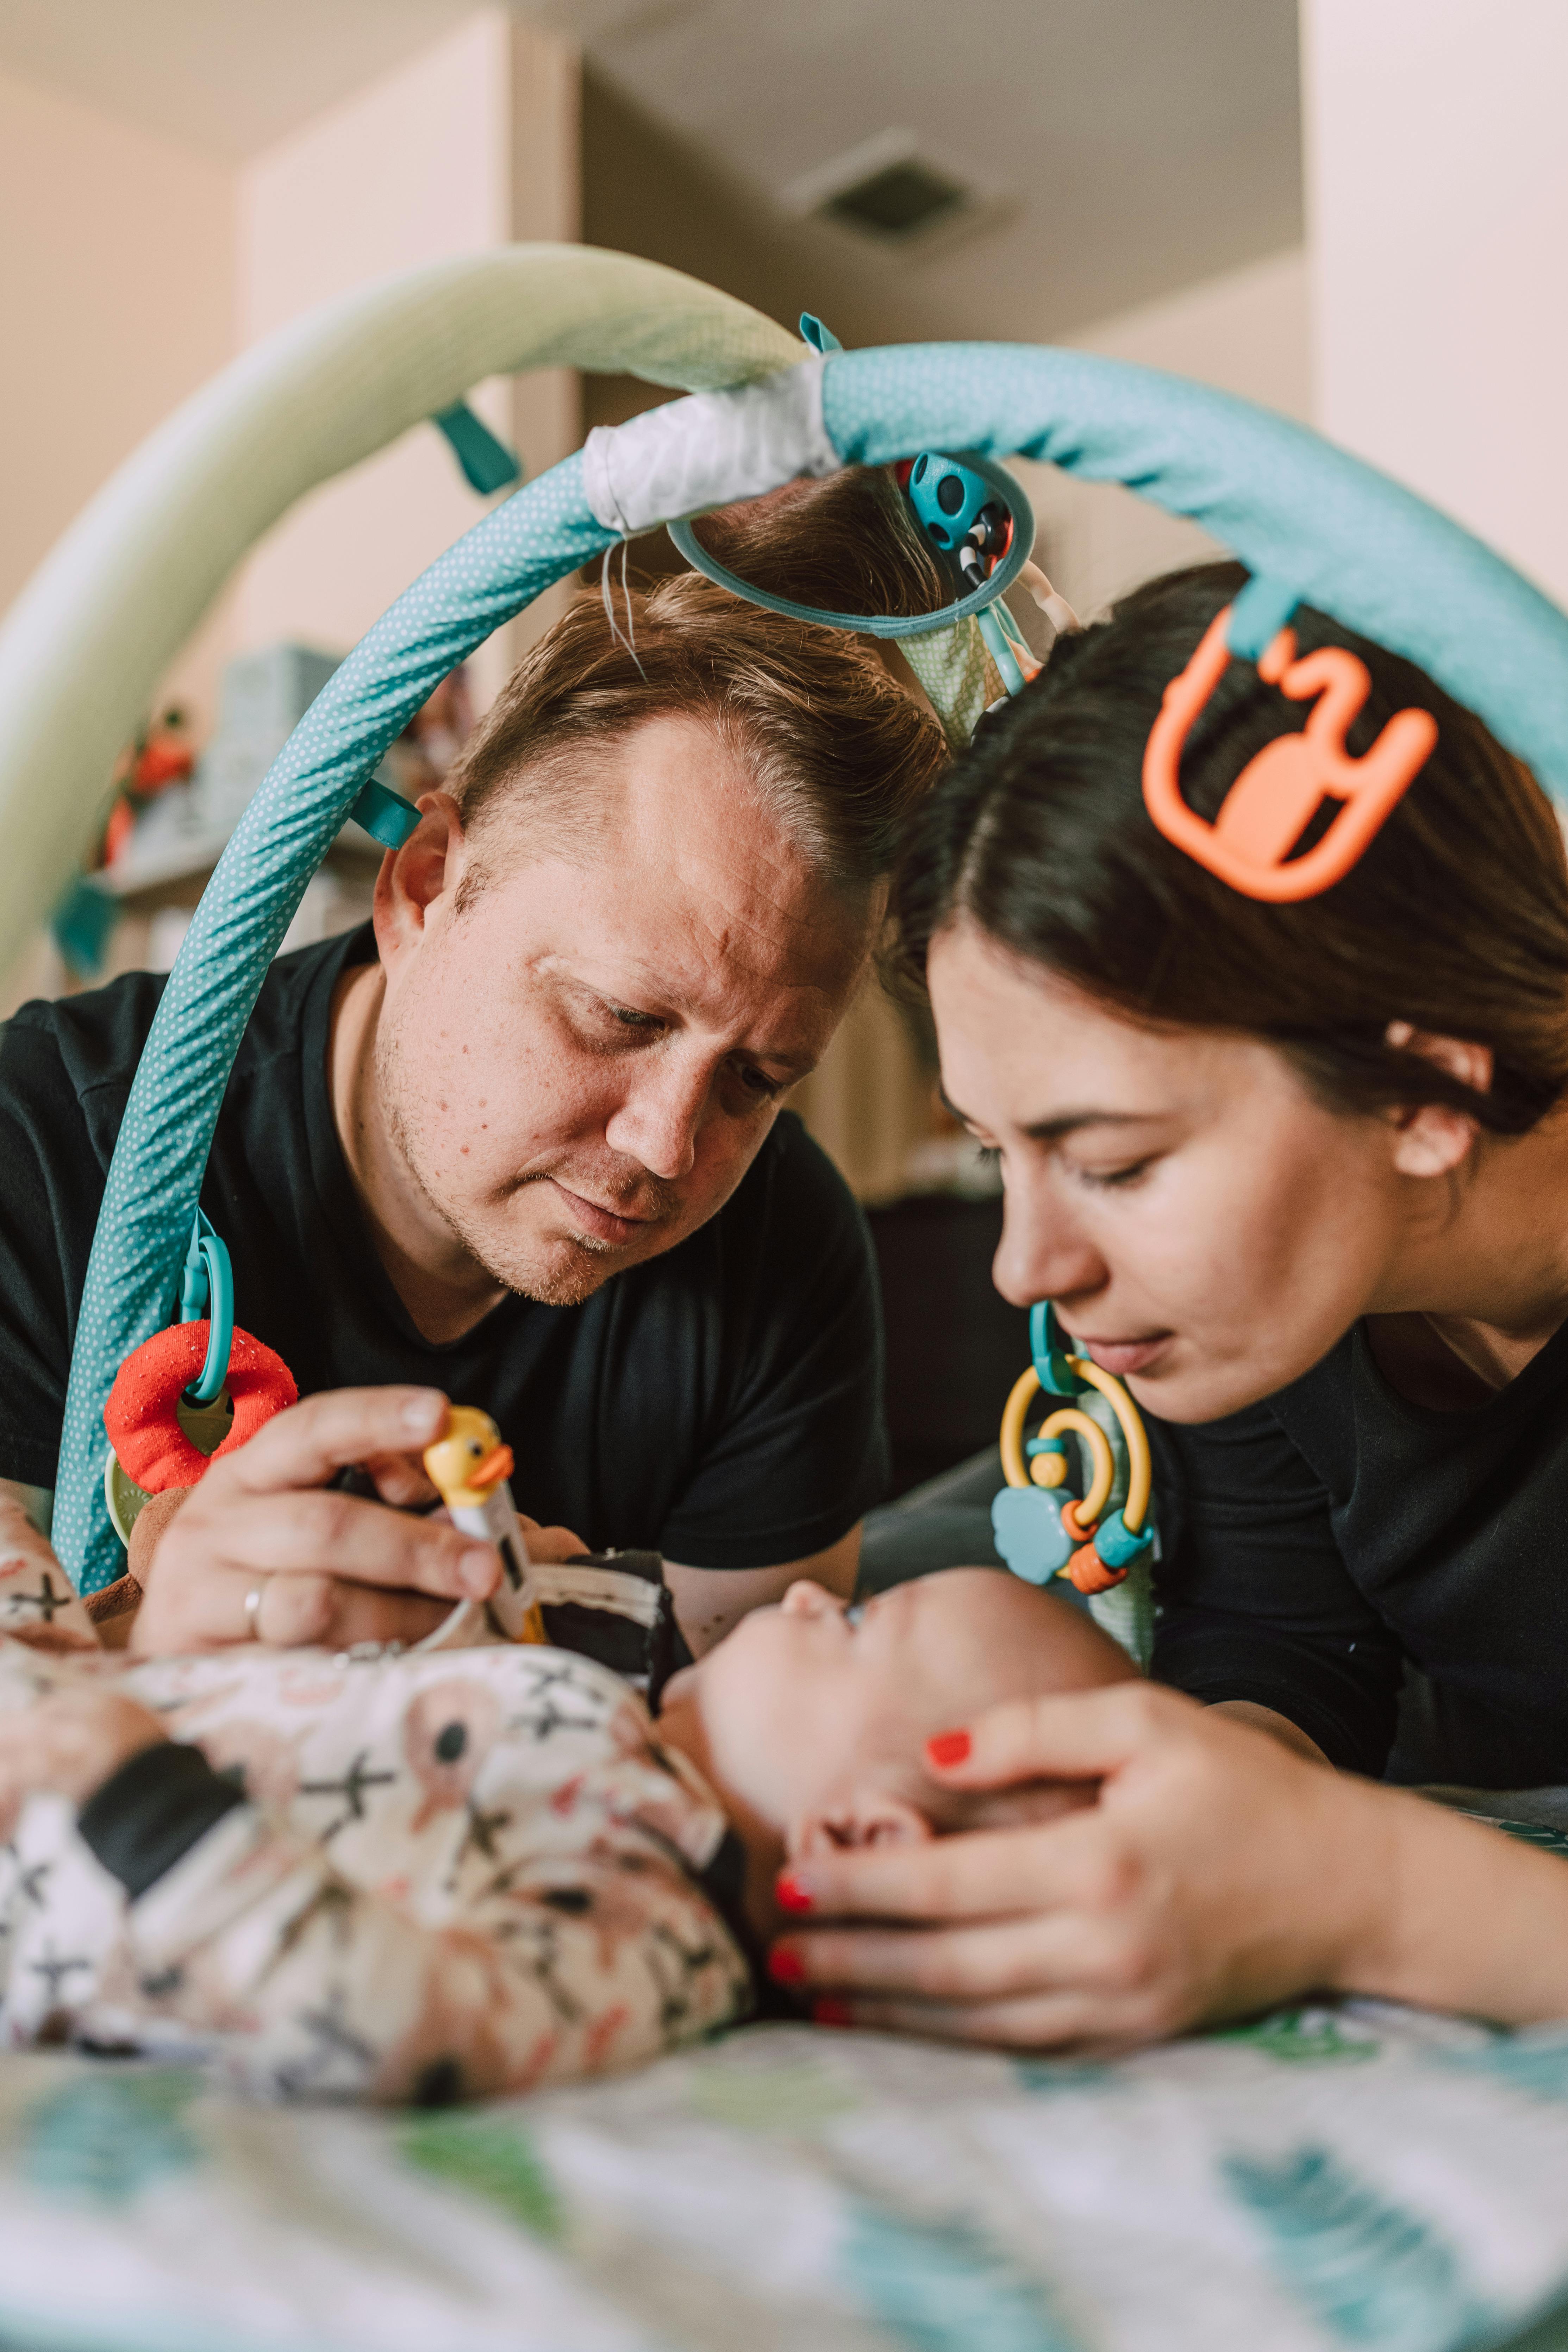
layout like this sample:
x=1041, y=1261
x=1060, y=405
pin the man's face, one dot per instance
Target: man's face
x=580, y=1068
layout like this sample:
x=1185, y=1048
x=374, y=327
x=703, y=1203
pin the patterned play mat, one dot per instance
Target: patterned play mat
x=1361, y=2177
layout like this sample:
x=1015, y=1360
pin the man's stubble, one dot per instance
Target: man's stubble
x=586, y=1262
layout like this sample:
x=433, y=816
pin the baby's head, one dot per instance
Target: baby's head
x=812, y=1718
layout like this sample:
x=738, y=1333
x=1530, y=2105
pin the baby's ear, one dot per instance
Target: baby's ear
x=871, y=1817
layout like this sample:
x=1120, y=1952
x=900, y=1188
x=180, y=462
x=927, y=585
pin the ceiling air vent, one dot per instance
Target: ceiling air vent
x=897, y=201
x=890, y=192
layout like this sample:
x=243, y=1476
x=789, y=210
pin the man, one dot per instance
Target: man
x=521, y=1147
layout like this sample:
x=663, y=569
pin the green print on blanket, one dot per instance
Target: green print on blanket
x=939, y=2288
x=1313, y=2036
x=490, y=2156
x=102, y=2139
x=1534, y=2062
x=798, y=2100
x=1369, y=2271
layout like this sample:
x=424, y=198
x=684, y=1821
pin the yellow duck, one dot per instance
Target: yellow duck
x=471, y=1469
x=468, y=1462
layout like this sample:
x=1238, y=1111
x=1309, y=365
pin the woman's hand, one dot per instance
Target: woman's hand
x=70, y=1742
x=1216, y=1873
x=330, y=1568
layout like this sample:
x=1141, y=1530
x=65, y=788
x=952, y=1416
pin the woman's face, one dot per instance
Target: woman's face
x=1204, y=1226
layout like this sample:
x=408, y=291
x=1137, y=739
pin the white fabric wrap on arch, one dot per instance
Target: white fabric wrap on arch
x=708, y=450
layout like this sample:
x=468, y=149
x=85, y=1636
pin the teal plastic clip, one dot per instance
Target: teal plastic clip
x=1000, y=647
x=1259, y=611
x=385, y=815
x=207, y=1289
x=488, y=464
x=1052, y=1369
x=820, y=338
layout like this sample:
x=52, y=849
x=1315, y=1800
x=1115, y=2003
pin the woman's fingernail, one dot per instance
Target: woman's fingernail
x=829, y=2011
x=785, y=1967
x=949, y=1748
x=421, y=1413
x=478, y=1570
x=791, y=1892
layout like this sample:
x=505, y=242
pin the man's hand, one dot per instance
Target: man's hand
x=70, y=1742
x=1217, y=1873
x=330, y=1568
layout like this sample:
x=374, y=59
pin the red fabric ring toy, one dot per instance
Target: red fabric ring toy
x=140, y=1418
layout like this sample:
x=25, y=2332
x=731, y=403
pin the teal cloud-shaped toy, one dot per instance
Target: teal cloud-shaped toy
x=1026, y=1522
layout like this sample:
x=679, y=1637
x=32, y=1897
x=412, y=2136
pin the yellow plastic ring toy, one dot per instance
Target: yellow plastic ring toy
x=1140, y=1467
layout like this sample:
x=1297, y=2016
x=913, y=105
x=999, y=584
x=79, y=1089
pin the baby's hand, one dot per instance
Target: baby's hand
x=69, y=1743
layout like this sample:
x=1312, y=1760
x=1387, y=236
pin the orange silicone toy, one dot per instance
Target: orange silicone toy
x=141, y=1414
x=1280, y=790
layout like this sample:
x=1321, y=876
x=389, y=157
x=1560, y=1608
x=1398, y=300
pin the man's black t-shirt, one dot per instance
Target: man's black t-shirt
x=1314, y=1543
x=722, y=1403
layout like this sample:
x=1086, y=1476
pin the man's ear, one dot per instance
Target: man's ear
x=1432, y=1139
x=429, y=866
x=869, y=1817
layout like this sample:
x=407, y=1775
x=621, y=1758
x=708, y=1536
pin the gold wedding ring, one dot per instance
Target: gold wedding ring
x=253, y=1612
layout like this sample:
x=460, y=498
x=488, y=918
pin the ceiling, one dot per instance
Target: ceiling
x=1127, y=147
x=1124, y=147
x=228, y=76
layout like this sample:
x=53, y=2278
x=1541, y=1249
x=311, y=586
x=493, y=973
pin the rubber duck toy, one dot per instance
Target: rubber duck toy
x=472, y=1471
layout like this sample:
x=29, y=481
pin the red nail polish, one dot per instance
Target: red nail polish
x=829, y=2011
x=784, y=1967
x=949, y=1748
x=789, y=1894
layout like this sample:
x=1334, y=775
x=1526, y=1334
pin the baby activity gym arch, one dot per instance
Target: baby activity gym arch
x=84, y=647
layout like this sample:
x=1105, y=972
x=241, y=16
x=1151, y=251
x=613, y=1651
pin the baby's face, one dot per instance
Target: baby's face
x=817, y=1714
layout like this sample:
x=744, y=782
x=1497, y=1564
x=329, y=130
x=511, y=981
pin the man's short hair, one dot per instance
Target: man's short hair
x=840, y=750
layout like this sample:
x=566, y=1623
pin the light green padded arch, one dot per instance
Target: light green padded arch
x=82, y=649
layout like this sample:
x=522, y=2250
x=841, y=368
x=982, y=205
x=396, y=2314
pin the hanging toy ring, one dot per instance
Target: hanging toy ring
x=143, y=1416
x=889, y=625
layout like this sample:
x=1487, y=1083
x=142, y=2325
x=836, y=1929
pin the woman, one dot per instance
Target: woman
x=1300, y=1175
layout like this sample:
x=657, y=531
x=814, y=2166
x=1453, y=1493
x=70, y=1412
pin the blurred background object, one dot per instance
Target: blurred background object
x=1350, y=211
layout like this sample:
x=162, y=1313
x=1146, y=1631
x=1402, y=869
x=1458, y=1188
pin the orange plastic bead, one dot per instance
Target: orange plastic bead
x=1089, y=1571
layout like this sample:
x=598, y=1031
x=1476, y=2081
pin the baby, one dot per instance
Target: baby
x=429, y=1876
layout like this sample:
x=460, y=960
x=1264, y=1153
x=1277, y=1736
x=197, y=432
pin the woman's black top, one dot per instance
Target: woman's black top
x=1314, y=1543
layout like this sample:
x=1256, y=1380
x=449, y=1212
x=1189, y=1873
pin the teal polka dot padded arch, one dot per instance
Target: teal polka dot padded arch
x=1312, y=523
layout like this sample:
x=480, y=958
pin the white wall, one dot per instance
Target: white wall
x=116, y=289
x=1247, y=333
x=131, y=270
x=1438, y=208
x=470, y=146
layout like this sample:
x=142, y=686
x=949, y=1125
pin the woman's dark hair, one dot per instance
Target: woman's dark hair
x=1455, y=919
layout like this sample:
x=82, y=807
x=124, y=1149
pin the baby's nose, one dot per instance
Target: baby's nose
x=804, y=1598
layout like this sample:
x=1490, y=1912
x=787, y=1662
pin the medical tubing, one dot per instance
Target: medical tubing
x=154, y=1178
